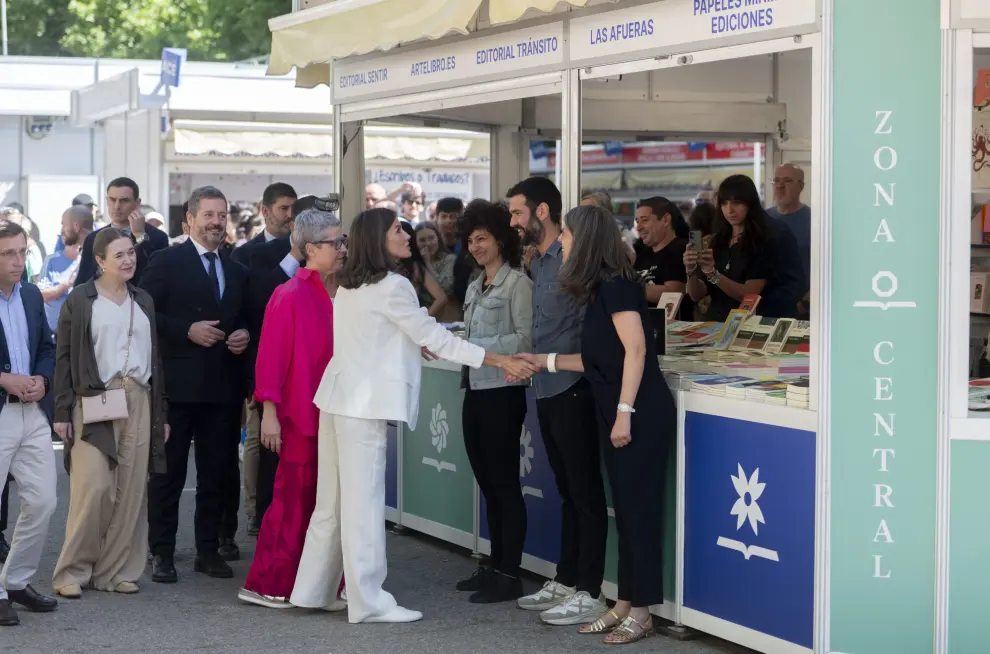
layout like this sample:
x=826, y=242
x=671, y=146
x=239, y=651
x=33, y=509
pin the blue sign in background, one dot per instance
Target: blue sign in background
x=172, y=60
x=772, y=597
x=392, y=466
x=539, y=491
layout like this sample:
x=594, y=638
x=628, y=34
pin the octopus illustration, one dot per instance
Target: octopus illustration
x=981, y=153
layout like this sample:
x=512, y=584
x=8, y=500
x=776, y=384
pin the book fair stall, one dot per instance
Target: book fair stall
x=808, y=504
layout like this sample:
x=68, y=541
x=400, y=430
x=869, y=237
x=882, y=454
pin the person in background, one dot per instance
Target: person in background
x=198, y=298
x=387, y=205
x=27, y=363
x=449, y=212
x=603, y=200
x=379, y=335
x=124, y=205
x=788, y=184
x=35, y=253
x=660, y=260
x=373, y=193
x=296, y=346
x=272, y=264
x=498, y=316
x=431, y=211
x=704, y=218
x=412, y=206
x=156, y=220
x=741, y=258
x=104, y=343
x=565, y=409
x=87, y=203
x=4, y=508
x=636, y=416
x=440, y=263
x=276, y=210
x=59, y=270
x=428, y=290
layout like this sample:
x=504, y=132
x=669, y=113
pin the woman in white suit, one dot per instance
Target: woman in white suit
x=380, y=335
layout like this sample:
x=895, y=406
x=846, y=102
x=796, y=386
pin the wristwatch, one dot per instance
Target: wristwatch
x=138, y=240
x=714, y=277
x=626, y=408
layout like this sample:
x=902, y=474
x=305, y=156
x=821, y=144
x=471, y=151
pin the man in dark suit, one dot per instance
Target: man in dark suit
x=198, y=303
x=276, y=209
x=272, y=264
x=27, y=365
x=124, y=207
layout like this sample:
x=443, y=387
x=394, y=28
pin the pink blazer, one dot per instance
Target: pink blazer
x=296, y=346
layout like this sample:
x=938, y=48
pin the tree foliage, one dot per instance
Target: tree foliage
x=211, y=30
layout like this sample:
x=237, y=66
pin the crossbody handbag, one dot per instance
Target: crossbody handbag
x=110, y=404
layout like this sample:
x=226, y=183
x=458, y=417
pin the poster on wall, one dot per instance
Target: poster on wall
x=437, y=183
x=981, y=148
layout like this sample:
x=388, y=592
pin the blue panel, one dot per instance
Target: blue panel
x=539, y=491
x=392, y=467
x=761, y=578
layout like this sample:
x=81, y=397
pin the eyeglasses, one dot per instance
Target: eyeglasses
x=337, y=243
x=783, y=180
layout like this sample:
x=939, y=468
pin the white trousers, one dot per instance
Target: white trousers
x=26, y=453
x=347, y=531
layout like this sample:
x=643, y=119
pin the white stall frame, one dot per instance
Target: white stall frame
x=568, y=82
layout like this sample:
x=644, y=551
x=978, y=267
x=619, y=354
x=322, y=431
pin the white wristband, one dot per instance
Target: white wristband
x=552, y=362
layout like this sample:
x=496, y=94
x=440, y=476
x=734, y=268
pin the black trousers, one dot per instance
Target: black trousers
x=637, y=474
x=493, y=421
x=570, y=434
x=4, y=500
x=267, y=465
x=216, y=430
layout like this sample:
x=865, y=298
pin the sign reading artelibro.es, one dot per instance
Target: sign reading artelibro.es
x=883, y=336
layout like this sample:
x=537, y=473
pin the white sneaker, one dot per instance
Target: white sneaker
x=579, y=608
x=267, y=601
x=398, y=614
x=343, y=593
x=547, y=597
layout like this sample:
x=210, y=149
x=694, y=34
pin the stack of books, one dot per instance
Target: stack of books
x=979, y=395
x=798, y=393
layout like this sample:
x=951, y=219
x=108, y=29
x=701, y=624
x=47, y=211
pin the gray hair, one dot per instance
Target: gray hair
x=311, y=226
x=601, y=199
x=204, y=193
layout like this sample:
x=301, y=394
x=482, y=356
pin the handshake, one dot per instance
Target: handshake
x=520, y=367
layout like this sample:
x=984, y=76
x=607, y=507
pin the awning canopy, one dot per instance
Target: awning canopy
x=310, y=39
x=195, y=138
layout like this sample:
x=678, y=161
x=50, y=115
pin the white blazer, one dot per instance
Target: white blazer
x=378, y=330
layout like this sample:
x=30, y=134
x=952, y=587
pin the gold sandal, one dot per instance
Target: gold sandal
x=630, y=631
x=599, y=626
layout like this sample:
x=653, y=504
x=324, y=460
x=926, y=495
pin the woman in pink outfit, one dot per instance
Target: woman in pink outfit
x=296, y=346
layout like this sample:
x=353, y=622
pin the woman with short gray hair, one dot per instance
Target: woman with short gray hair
x=296, y=346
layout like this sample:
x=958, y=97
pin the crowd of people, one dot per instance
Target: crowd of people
x=314, y=339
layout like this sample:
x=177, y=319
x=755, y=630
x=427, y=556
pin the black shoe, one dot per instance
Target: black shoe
x=481, y=578
x=211, y=565
x=253, y=529
x=4, y=548
x=163, y=570
x=501, y=589
x=32, y=600
x=228, y=550
x=8, y=616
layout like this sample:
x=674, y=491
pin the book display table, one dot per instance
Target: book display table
x=738, y=550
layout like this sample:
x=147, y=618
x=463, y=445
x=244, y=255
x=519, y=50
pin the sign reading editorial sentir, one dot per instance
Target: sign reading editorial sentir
x=501, y=55
x=675, y=23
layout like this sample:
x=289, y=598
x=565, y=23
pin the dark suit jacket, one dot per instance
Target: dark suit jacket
x=242, y=255
x=157, y=240
x=787, y=287
x=178, y=284
x=41, y=342
x=264, y=276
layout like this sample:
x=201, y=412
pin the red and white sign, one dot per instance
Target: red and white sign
x=660, y=153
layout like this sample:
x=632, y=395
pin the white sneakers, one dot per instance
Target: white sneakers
x=579, y=608
x=267, y=601
x=398, y=614
x=562, y=605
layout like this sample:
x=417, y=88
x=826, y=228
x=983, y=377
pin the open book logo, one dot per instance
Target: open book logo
x=439, y=429
x=747, y=510
x=526, y=454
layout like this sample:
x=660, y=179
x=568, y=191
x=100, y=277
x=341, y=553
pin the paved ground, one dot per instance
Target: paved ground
x=203, y=615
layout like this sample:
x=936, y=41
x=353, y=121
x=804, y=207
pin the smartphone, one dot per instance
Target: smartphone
x=694, y=240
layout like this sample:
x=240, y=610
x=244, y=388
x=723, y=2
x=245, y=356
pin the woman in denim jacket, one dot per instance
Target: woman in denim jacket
x=498, y=316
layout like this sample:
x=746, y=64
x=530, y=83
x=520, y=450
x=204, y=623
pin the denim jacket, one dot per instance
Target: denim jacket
x=499, y=319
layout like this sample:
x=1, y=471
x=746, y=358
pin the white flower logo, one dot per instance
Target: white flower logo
x=742, y=509
x=525, y=452
x=439, y=428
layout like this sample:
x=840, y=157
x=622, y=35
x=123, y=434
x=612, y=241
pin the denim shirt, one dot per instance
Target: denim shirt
x=557, y=321
x=499, y=319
